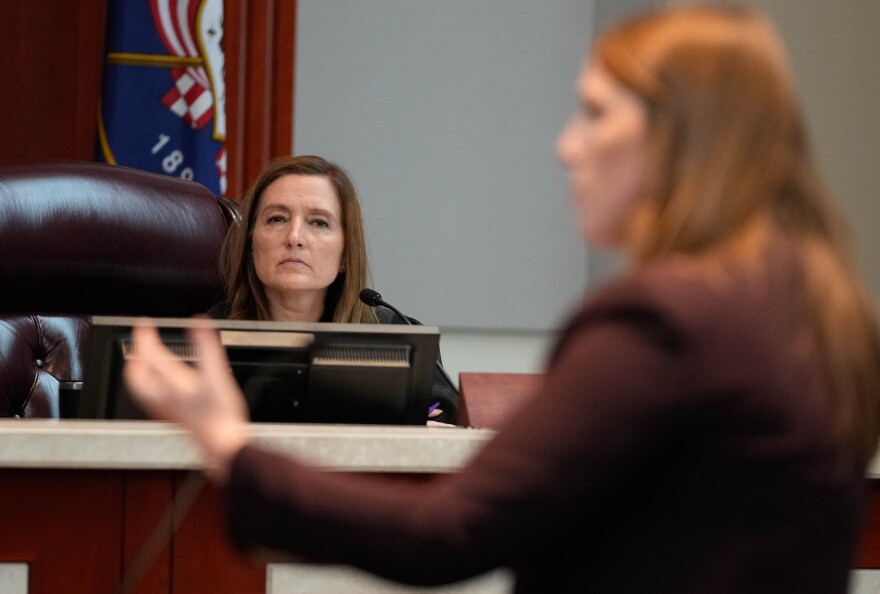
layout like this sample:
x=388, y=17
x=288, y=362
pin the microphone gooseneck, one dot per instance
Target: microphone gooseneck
x=374, y=299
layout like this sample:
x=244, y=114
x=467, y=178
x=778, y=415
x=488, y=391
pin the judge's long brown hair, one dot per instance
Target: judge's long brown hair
x=245, y=295
x=732, y=167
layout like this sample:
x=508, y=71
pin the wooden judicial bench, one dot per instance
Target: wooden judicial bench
x=89, y=505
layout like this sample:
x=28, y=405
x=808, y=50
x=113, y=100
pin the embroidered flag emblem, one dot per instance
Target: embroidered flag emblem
x=163, y=105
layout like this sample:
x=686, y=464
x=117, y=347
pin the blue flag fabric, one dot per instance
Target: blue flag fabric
x=163, y=101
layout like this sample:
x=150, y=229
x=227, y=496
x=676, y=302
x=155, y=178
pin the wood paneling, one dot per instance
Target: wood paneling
x=95, y=532
x=146, y=559
x=66, y=525
x=204, y=558
x=487, y=399
x=259, y=44
x=52, y=55
x=80, y=530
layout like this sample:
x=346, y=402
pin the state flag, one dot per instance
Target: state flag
x=163, y=103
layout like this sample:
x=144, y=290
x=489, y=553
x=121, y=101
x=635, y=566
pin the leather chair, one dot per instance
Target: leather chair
x=79, y=239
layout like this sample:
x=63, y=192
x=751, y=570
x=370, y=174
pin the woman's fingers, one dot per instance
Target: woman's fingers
x=203, y=398
x=160, y=382
x=146, y=381
x=213, y=362
x=212, y=354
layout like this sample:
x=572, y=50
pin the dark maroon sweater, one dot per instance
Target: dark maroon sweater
x=679, y=443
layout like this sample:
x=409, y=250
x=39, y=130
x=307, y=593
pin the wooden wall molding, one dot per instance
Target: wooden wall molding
x=259, y=44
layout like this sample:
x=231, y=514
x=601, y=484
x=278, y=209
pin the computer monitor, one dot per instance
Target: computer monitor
x=289, y=372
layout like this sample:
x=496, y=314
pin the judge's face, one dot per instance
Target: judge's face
x=604, y=148
x=298, y=238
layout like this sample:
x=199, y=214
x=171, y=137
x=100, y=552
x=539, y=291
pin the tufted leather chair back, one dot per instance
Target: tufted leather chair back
x=78, y=239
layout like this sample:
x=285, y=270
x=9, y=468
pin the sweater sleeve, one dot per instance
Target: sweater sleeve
x=608, y=397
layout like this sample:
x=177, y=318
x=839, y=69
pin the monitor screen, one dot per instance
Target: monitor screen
x=289, y=372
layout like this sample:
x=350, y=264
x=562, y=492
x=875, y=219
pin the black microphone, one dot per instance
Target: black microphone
x=374, y=299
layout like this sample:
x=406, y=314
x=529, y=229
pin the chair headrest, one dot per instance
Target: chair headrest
x=92, y=238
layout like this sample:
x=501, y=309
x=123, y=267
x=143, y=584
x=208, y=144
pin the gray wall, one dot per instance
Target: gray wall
x=446, y=115
x=834, y=52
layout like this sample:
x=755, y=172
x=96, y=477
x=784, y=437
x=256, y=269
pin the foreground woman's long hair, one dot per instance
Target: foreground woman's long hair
x=735, y=178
